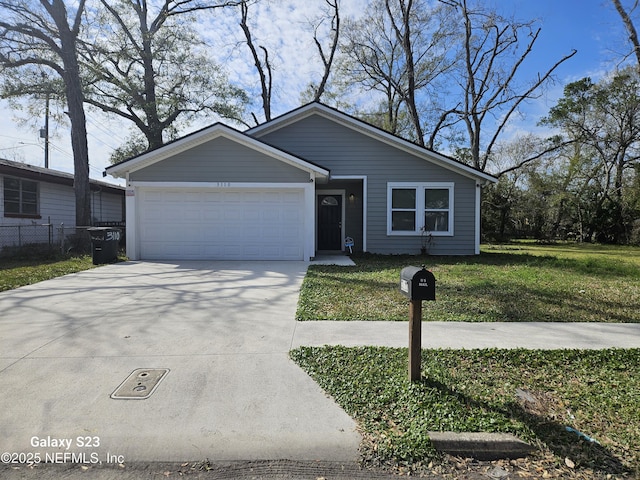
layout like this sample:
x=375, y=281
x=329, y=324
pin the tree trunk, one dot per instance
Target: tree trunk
x=75, y=104
x=631, y=30
x=403, y=33
x=264, y=70
x=327, y=60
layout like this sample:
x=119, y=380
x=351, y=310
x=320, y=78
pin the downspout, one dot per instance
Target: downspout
x=310, y=219
x=478, y=217
x=130, y=220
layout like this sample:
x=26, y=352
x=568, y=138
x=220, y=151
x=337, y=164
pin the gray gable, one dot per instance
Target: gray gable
x=323, y=131
x=217, y=154
x=220, y=160
x=349, y=152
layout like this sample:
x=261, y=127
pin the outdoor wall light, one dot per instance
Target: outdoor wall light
x=352, y=197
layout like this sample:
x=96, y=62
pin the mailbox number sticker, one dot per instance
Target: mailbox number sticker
x=404, y=286
x=113, y=235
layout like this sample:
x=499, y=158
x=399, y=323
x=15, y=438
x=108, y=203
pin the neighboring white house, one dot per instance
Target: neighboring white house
x=34, y=198
x=300, y=184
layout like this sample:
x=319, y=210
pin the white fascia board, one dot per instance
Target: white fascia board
x=371, y=131
x=218, y=185
x=206, y=135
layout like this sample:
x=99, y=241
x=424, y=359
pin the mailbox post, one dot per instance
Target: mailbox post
x=417, y=284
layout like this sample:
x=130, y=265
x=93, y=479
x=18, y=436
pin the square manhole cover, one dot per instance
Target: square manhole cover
x=140, y=384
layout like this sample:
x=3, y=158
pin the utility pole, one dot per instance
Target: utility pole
x=44, y=132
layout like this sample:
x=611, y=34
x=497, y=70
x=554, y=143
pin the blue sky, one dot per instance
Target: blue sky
x=590, y=26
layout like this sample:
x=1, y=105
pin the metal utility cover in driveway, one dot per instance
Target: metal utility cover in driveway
x=140, y=384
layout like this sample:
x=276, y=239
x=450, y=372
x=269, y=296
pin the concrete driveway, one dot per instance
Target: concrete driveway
x=223, y=329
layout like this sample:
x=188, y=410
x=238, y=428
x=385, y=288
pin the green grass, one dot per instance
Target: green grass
x=17, y=273
x=514, y=283
x=595, y=392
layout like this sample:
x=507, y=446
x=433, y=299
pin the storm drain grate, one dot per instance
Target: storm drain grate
x=140, y=384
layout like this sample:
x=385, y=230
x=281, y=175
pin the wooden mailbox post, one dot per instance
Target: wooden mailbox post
x=417, y=284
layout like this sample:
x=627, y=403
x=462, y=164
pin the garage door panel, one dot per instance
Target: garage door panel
x=255, y=197
x=270, y=233
x=188, y=214
x=222, y=224
x=232, y=211
x=252, y=215
x=212, y=212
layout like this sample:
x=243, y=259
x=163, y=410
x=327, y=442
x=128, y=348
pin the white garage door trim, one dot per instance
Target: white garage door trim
x=226, y=221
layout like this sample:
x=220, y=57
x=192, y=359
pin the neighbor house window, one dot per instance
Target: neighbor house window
x=20, y=197
x=417, y=207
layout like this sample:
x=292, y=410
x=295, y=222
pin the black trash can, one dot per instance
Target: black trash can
x=104, y=242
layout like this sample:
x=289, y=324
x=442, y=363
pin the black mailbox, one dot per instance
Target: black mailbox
x=418, y=283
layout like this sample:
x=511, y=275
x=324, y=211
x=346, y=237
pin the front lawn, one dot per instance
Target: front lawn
x=522, y=282
x=533, y=394
x=16, y=273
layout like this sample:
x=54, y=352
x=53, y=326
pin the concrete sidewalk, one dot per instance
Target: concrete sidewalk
x=466, y=335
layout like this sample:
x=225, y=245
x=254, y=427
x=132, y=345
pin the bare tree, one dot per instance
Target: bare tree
x=493, y=52
x=628, y=24
x=370, y=62
x=402, y=29
x=327, y=57
x=401, y=49
x=44, y=34
x=263, y=66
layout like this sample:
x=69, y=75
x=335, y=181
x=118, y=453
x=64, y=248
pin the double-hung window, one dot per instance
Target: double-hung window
x=414, y=208
x=20, y=197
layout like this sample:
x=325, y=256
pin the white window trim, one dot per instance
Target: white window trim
x=420, y=188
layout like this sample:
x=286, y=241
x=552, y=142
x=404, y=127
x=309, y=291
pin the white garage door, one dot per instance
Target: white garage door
x=242, y=224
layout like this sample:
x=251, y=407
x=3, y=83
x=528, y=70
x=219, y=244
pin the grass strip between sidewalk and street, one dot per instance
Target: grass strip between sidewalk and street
x=532, y=394
x=521, y=282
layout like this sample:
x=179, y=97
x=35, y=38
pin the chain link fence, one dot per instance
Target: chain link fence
x=39, y=240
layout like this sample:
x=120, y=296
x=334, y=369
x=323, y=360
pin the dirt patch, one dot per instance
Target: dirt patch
x=538, y=466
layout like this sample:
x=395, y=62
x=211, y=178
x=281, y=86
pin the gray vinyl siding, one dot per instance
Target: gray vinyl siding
x=56, y=205
x=345, y=151
x=221, y=160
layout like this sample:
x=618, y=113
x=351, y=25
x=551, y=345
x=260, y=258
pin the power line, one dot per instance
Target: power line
x=104, y=130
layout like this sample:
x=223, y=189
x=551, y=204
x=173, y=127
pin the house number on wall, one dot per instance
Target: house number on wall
x=223, y=184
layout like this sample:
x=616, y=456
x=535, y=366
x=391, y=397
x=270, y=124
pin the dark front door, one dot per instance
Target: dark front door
x=329, y=222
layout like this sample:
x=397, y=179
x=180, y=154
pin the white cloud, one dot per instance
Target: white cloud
x=285, y=29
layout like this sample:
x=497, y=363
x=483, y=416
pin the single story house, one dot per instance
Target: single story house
x=295, y=186
x=38, y=204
